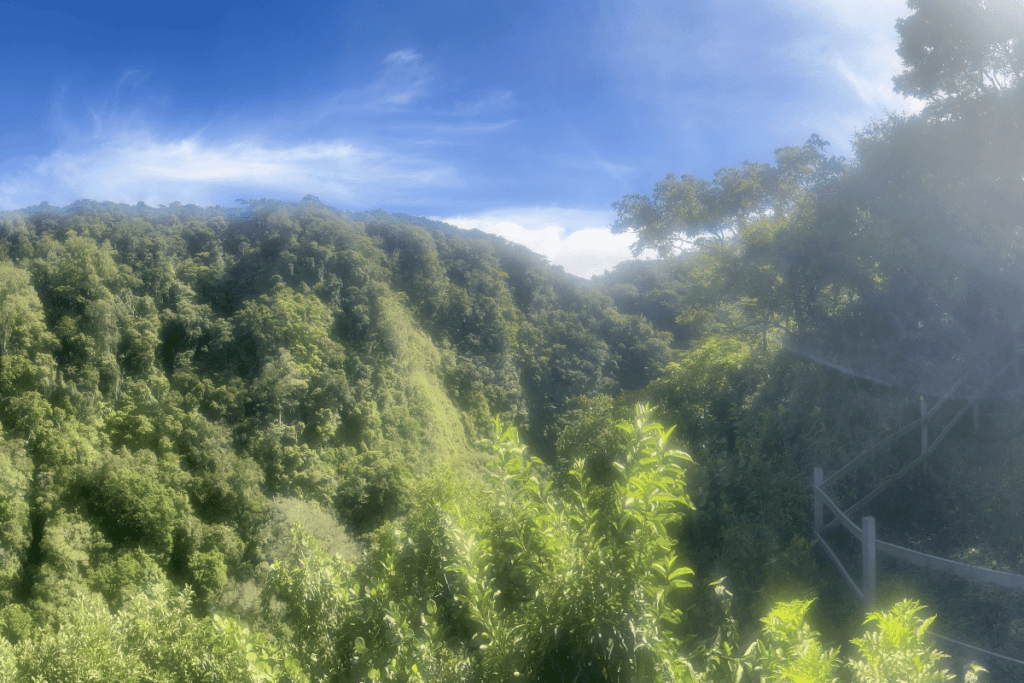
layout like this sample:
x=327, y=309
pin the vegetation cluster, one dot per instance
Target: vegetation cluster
x=274, y=442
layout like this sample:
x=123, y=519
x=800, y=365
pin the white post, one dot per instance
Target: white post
x=819, y=476
x=868, y=530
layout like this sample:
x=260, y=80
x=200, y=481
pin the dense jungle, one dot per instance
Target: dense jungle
x=286, y=442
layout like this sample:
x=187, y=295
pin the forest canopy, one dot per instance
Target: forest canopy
x=287, y=442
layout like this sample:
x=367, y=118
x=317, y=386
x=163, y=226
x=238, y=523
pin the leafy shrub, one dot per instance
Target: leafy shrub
x=894, y=650
x=590, y=571
x=789, y=650
x=154, y=637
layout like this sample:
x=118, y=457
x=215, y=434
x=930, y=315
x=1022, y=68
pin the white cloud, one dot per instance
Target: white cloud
x=134, y=165
x=854, y=49
x=404, y=79
x=406, y=56
x=863, y=39
x=494, y=101
x=579, y=240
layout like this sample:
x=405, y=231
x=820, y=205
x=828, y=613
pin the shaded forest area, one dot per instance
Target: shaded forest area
x=286, y=442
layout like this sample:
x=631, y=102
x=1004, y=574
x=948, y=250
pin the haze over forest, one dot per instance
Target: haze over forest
x=252, y=438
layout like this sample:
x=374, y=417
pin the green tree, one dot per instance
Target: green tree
x=280, y=381
x=15, y=530
x=27, y=370
x=67, y=548
x=22, y=325
x=961, y=56
x=131, y=503
x=286, y=319
x=685, y=210
x=154, y=637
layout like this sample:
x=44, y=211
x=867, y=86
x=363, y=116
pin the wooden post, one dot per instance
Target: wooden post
x=819, y=476
x=869, y=576
x=924, y=426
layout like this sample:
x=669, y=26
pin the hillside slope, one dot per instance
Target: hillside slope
x=171, y=378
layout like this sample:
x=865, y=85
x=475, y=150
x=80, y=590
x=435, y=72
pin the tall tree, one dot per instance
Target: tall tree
x=685, y=210
x=961, y=55
x=22, y=324
x=937, y=198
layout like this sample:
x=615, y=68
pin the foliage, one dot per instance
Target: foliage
x=788, y=650
x=550, y=553
x=15, y=530
x=960, y=55
x=896, y=649
x=380, y=629
x=684, y=209
x=153, y=638
x=180, y=385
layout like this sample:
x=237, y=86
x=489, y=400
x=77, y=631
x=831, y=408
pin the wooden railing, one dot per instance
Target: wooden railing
x=927, y=414
x=871, y=546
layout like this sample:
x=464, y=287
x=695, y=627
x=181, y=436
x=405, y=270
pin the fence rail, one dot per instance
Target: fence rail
x=839, y=566
x=940, y=564
x=926, y=415
x=973, y=650
x=871, y=547
x=932, y=562
x=927, y=449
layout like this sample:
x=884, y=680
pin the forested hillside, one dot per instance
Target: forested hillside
x=286, y=442
x=214, y=364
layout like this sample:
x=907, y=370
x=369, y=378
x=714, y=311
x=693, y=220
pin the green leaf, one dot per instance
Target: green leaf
x=681, y=571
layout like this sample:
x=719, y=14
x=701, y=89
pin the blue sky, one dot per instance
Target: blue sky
x=527, y=119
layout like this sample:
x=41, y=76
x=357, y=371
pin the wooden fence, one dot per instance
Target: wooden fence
x=984, y=379
x=871, y=546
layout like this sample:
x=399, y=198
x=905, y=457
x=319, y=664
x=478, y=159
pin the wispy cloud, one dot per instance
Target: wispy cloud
x=130, y=77
x=589, y=161
x=112, y=148
x=579, y=240
x=135, y=165
x=861, y=50
x=468, y=127
x=403, y=80
x=855, y=53
x=488, y=103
